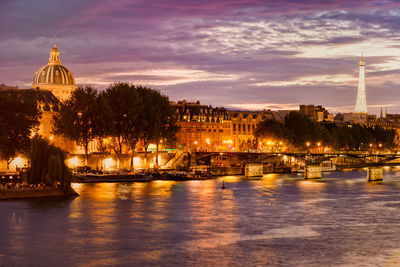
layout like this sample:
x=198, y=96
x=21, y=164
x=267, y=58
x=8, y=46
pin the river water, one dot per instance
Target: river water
x=279, y=220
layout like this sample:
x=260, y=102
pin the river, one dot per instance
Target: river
x=279, y=220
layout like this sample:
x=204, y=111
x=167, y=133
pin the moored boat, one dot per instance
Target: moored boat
x=326, y=166
x=112, y=177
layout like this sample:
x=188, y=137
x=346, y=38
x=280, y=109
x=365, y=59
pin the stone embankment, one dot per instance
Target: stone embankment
x=34, y=193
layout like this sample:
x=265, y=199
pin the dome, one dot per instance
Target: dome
x=55, y=77
x=54, y=74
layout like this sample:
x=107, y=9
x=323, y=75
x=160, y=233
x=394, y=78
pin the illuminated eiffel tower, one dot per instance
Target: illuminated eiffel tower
x=361, y=105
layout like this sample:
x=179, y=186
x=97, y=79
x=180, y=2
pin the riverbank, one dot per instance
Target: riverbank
x=35, y=193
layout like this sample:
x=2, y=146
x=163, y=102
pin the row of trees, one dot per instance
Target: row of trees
x=123, y=112
x=299, y=130
x=18, y=117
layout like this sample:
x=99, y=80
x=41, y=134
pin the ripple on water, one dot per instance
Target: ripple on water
x=339, y=220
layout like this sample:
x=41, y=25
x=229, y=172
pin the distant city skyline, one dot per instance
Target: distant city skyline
x=234, y=53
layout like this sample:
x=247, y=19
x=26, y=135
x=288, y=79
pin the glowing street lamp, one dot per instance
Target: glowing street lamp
x=308, y=143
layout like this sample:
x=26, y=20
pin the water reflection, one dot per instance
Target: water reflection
x=276, y=220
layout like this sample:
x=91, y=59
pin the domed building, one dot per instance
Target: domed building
x=55, y=77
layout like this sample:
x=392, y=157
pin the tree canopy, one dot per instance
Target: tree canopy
x=126, y=109
x=125, y=112
x=299, y=130
x=82, y=117
x=17, y=120
x=48, y=165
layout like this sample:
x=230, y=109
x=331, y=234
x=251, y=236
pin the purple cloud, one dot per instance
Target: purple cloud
x=220, y=52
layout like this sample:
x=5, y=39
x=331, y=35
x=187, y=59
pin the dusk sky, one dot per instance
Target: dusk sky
x=249, y=54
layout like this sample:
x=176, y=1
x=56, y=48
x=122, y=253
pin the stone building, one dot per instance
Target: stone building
x=204, y=128
x=318, y=113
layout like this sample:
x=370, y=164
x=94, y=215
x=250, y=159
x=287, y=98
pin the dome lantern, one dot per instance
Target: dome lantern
x=54, y=56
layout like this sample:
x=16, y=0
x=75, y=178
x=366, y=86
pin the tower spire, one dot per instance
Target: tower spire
x=361, y=104
x=54, y=40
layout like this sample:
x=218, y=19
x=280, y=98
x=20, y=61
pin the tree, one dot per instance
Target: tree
x=48, y=165
x=80, y=118
x=302, y=129
x=270, y=129
x=17, y=120
x=158, y=119
x=126, y=107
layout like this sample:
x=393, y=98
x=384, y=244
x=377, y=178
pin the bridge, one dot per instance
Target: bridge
x=340, y=158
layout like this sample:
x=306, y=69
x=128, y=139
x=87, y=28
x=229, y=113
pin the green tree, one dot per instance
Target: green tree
x=17, y=120
x=158, y=119
x=302, y=129
x=81, y=118
x=271, y=129
x=48, y=165
x=126, y=107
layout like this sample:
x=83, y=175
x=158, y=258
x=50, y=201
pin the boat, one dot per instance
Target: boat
x=175, y=176
x=326, y=166
x=194, y=174
x=112, y=177
x=200, y=172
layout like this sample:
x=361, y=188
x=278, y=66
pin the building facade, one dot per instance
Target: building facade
x=204, y=128
x=317, y=113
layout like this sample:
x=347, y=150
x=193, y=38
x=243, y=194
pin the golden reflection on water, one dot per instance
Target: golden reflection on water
x=102, y=217
x=269, y=180
x=268, y=183
x=212, y=214
x=231, y=179
x=162, y=188
x=312, y=193
x=311, y=186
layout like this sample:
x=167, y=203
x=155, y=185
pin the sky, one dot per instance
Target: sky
x=247, y=54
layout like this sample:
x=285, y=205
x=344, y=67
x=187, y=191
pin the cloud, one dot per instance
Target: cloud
x=233, y=52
